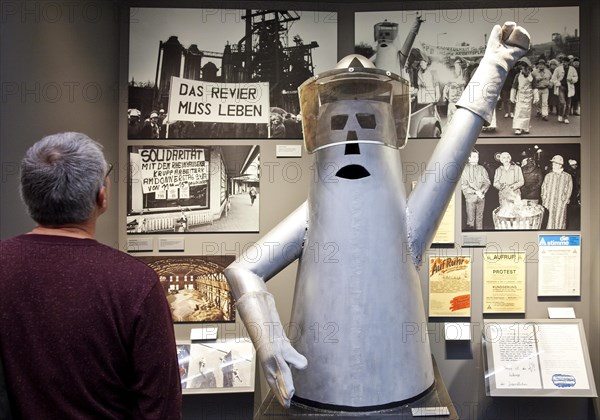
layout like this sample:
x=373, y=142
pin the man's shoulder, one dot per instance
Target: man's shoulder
x=116, y=257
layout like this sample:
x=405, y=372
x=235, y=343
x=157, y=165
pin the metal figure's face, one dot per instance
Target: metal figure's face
x=355, y=105
x=356, y=121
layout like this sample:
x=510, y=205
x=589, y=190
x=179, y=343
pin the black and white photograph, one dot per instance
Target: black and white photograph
x=439, y=50
x=195, y=287
x=213, y=367
x=522, y=187
x=193, y=189
x=223, y=73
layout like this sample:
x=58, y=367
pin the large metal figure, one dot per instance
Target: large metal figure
x=358, y=313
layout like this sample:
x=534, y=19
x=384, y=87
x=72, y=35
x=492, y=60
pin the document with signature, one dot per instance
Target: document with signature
x=514, y=346
x=537, y=358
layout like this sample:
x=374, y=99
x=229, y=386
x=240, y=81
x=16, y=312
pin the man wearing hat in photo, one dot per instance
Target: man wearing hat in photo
x=541, y=84
x=522, y=96
x=563, y=80
x=556, y=193
x=135, y=126
x=151, y=129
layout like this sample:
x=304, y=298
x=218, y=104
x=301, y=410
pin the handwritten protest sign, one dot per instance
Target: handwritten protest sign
x=179, y=168
x=193, y=100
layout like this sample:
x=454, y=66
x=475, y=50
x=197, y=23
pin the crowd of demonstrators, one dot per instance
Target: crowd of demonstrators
x=153, y=127
x=86, y=329
x=285, y=125
x=550, y=88
x=156, y=126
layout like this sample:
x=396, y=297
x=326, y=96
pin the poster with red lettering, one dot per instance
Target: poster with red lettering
x=223, y=73
x=450, y=286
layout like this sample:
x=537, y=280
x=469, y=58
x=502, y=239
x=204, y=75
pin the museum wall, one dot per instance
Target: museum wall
x=64, y=68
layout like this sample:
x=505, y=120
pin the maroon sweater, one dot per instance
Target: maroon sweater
x=85, y=332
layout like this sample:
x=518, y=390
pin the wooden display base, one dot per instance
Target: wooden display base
x=437, y=396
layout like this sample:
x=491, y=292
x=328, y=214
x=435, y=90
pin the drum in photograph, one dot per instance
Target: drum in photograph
x=526, y=216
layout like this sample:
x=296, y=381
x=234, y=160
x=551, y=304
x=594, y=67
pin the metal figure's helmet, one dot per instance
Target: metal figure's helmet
x=385, y=31
x=355, y=103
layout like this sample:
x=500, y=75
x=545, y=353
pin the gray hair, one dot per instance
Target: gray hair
x=61, y=176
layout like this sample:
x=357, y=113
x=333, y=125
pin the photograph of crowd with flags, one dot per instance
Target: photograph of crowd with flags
x=439, y=50
x=193, y=189
x=223, y=73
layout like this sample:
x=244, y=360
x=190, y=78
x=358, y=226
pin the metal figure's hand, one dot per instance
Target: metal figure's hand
x=273, y=349
x=276, y=357
x=507, y=44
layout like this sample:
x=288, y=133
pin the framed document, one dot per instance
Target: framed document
x=537, y=358
x=450, y=286
x=504, y=282
x=559, y=268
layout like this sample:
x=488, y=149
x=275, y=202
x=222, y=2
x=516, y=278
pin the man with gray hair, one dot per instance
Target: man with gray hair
x=86, y=331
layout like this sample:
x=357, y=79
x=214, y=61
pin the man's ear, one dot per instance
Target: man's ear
x=102, y=199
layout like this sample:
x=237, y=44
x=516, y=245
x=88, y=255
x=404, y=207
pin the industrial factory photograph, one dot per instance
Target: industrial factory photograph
x=195, y=287
x=223, y=73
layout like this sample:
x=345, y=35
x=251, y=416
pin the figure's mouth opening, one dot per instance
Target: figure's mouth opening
x=352, y=172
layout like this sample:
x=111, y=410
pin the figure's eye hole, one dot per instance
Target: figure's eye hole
x=338, y=122
x=366, y=120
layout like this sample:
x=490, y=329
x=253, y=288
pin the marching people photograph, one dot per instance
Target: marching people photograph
x=193, y=189
x=223, y=73
x=447, y=47
x=522, y=187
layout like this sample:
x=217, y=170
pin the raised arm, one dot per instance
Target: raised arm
x=427, y=203
x=256, y=306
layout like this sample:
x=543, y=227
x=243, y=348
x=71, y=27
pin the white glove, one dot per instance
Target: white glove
x=273, y=349
x=506, y=45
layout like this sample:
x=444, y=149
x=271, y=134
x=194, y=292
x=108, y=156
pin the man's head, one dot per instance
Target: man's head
x=557, y=162
x=474, y=157
x=505, y=158
x=541, y=64
x=63, y=179
x=134, y=116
